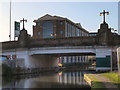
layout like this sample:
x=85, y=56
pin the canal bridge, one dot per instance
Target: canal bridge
x=37, y=53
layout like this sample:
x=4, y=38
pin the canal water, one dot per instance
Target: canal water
x=61, y=79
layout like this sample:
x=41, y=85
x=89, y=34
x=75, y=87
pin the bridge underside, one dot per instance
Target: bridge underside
x=67, y=54
x=50, y=60
x=39, y=61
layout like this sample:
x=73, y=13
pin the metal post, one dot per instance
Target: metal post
x=103, y=16
x=10, y=23
x=23, y=24
x=111, y=58
x=118, y=60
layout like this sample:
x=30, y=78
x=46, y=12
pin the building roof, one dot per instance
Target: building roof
x=79, y=25
x=50, y=17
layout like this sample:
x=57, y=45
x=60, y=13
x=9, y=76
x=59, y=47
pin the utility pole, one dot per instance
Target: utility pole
x=10, y=23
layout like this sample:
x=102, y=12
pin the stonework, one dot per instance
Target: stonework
x=105, y=36
x=23, y=39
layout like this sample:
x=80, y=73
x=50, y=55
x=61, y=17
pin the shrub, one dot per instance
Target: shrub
x=6, y=70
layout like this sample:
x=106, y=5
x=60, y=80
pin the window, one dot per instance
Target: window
x=70, y=29
x=38, y=23
x=73, y=31
x=47, y=29
x=82, y=33
x=61, y=22
x=38, y=33
x=61, y=32
x=78, y=33
x=86, y=34
x=66, y=30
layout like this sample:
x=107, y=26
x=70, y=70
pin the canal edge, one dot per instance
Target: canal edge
x=88, y=79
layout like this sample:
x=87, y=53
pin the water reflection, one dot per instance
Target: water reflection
x=72, y=78
x=49, y=80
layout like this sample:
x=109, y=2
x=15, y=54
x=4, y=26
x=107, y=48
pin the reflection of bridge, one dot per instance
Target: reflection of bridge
x=52, y=80
x=44, y=52
x=73, y=78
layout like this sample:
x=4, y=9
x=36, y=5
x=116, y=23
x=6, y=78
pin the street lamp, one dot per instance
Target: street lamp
x=104, y=15
x=53, y=34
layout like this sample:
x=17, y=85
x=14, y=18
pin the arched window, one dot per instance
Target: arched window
x=47, y=29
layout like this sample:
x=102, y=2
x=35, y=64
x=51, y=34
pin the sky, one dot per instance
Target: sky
x=86, y=13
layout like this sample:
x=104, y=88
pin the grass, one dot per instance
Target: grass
x=112, y=76
x=96, y=83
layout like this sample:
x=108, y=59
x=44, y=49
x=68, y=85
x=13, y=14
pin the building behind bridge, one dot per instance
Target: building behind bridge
x=57, y=27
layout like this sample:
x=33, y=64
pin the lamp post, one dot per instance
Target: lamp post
x=104, y=15
x=10, y=23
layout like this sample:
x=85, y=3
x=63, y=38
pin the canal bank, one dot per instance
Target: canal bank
x=103, y=80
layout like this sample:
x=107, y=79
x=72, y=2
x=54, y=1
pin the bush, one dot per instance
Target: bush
x=6, y=70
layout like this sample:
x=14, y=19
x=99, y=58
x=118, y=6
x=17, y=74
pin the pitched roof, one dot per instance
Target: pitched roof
x=49, y=17
x=79, y=25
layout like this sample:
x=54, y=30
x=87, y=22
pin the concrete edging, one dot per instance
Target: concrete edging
x=88, y=80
